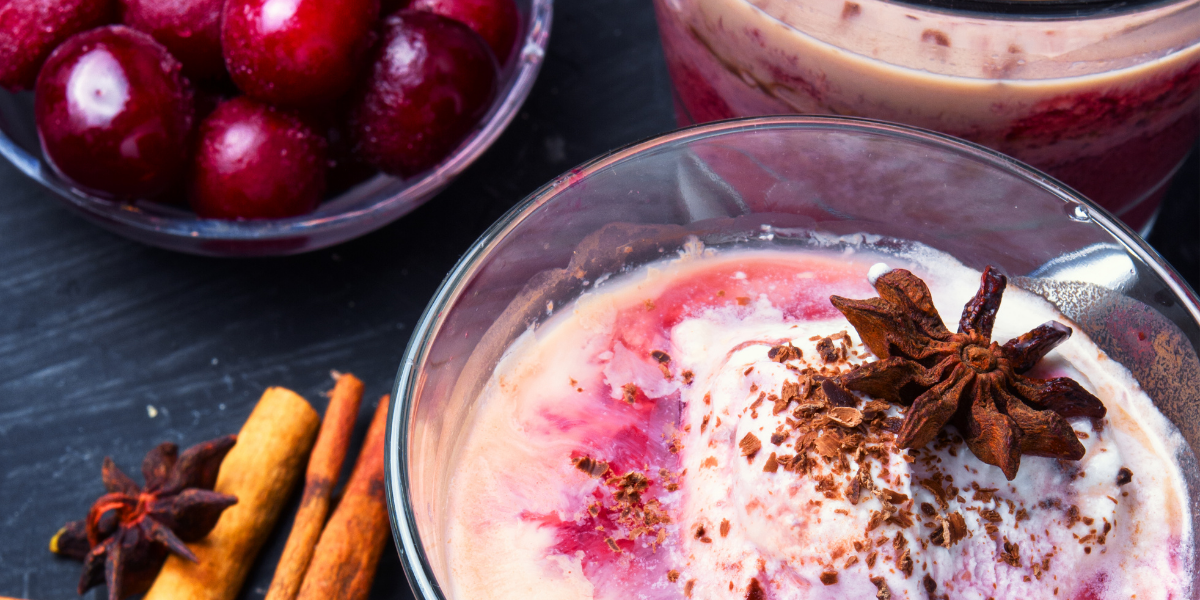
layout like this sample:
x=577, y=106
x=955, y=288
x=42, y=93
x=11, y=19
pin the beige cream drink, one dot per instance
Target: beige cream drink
x=1109, y=104
x=634, y=446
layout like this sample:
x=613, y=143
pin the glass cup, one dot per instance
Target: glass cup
x=771, y=182
x=1102, y=94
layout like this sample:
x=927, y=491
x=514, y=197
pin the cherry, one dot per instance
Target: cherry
x=31, y=29
x=190, y=29
x=431, y=80
x=496, y=21
x=255, y=161
x=297, y=52
x=113, y=112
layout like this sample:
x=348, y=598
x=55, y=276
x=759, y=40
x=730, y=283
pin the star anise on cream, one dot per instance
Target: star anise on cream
x=964, y=378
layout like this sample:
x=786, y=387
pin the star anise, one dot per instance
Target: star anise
x=965, y=378
x=128, y=532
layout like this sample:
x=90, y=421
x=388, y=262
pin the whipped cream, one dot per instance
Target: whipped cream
x=665, y=380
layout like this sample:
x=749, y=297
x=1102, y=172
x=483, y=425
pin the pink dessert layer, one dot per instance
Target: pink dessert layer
x=1110, y=105
x=633, y=447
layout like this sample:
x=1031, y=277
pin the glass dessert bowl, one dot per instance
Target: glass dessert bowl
x=560, y=402
x=360, y=209
x=1103, y=95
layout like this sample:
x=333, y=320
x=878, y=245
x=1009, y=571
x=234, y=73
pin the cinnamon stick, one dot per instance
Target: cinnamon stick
x=323, y=468
x=343, y=566
x=261, y=470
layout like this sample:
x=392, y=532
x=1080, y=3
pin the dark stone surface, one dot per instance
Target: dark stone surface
x=95, y=328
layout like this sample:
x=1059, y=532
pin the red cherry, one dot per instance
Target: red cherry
x=113, y=112
x=190, y=29
x=432, y=79
x=255, y=161
x=496, y=21
x=297, y=52
x=31, y=29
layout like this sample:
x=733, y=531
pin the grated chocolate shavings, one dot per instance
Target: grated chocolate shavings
x=660, y=356
x=991, y=516
x=829, y=578
x=782, y=354
x=687, y=376
x=1073, y=516
x=687, y=587
x=672, y=575
x=612, y=544
x=779, y=437
x=1124, y=476
x=845, y=416
x=750, y=446
x=829, y=353
x=772, y=465
x=871, y=559
x=1011, y=554
x=724, y=527
x=882, y=591
x=591, y=466
x=630, y=393
x=905, y=563
x=755, y=591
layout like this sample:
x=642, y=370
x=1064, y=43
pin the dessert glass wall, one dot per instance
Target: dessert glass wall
x=778, y=182
x=1103, y=95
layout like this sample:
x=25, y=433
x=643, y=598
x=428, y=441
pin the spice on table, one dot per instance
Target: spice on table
x=343, y=566
x=965, y=378
x=261, y=471
x=323, y=468
x=129, y=531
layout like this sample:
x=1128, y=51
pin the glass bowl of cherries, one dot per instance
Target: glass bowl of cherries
x=258, y=127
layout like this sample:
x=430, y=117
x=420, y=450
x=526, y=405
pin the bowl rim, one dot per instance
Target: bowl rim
x=117, y=216
x=404, y=527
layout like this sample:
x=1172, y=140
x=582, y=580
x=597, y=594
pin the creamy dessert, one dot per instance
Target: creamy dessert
x=1109, y=103
x=714, y=426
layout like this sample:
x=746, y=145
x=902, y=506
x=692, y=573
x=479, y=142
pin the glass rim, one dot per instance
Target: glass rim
x=401, y=516
x=509, y=99
x=1039, y=9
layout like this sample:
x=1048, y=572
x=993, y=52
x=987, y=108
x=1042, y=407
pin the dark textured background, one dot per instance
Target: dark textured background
x=95, y=328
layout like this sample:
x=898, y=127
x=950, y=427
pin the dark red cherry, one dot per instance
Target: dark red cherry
x=297, y=52
x=31, y=29
x=190, y=29
x=113, y=112
x=431, y=80
x=255, y=161
x=496, y=21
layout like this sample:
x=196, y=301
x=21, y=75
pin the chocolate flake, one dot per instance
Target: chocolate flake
x=829, y=353
x=772, y=465
x=829, y=578
x=846, y=416
x=755, y=590
x=905, y=563
x=1124, y=476
x=630, y=393
x=687, y=587
x=591, y=466
x=750, y=446
x=612, y=544
x=782, y=354
x=724, y=527
x=660, y=356
x=882, y=591
x=672, y=575
x=1011, y=554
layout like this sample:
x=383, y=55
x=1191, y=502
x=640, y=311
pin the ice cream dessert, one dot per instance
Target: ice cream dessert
x=714, y=426
x=1108, y=102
